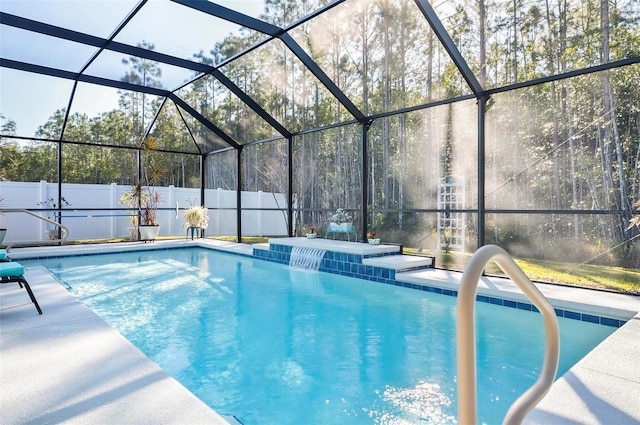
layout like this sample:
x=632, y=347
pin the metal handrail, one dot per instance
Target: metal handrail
x=64, y=230
x=465, y=337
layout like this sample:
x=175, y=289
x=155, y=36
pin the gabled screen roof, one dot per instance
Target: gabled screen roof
x=237, y=72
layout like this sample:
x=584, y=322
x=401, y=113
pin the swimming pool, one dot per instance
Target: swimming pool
x=270, y=344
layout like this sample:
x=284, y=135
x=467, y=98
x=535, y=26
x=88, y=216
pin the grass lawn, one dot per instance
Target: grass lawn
x=594, y=276
x=611, y=278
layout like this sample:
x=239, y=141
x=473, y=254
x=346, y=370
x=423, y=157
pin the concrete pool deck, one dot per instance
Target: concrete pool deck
x=67, y=365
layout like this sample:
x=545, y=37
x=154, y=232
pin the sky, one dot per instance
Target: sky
x=30, y=99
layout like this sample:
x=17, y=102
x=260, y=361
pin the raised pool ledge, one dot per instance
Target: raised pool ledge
x=378, y=263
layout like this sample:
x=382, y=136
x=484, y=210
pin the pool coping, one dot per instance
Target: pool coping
x=600, y=388
x=69, y=366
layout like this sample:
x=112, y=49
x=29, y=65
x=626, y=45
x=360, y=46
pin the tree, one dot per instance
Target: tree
x=147, y=73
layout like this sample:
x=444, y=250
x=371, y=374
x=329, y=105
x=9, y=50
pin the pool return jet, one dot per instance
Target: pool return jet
x=466, y=339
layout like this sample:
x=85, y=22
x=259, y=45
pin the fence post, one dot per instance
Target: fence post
x=171, y=202
x=218, y=194
x=260, y=195
x=43, y=189
x=113, y=202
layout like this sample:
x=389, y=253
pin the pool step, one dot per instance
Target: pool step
x=399, y=263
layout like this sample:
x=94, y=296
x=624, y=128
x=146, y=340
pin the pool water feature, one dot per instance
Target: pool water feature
x=271, y=344
x=306, y=258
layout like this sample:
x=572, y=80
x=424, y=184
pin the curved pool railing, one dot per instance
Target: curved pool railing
x=465, y=337
x=64, y=231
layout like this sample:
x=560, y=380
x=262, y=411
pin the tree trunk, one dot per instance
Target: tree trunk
x=386, y=95
x=612, y=130
x=572, y=165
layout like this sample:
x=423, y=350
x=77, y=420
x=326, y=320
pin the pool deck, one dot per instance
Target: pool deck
x=67, y=365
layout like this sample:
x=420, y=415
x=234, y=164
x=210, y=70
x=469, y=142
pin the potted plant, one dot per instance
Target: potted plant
x=145, y=199
x=312, y=233
x=149, y=226
x=196, y=219
x=372, y=238
x=340, y=221
x=145, y=220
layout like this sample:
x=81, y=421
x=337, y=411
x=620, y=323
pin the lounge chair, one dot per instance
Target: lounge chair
x=12, y=272
x=3, y=255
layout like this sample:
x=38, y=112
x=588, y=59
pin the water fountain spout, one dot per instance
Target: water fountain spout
x=306, y=258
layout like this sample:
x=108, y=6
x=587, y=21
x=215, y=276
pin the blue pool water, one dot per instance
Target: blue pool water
x=274, y=345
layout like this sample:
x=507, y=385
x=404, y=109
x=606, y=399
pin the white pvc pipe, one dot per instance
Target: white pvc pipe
x=465, y=337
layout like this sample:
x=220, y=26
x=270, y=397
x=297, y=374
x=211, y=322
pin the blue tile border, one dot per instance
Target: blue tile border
x=351, y=265
x=132, y=251
x=88, y=254
x=568, y=314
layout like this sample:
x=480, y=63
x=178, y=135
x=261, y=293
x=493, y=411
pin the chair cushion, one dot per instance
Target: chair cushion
x=11, y=269
x=3, y=254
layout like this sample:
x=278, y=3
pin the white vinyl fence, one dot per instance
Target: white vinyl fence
x=85, y=221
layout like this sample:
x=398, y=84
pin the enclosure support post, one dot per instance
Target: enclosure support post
x=290, y=185
x=365, y=181
x=60, y=170
x=482, y=109
x=203, y=174
x=239, y=194
x=58, y=213
x=138, y=184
